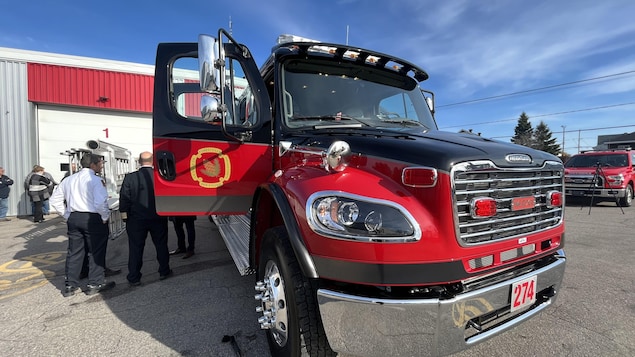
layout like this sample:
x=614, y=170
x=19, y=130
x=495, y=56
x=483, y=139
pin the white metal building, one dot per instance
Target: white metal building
x=51, y=103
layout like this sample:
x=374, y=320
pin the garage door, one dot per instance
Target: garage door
x=62, y=128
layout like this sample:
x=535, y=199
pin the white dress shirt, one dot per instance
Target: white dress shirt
x=81, y=192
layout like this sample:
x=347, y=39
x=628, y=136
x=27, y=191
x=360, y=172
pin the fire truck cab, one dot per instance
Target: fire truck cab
x=371, y=232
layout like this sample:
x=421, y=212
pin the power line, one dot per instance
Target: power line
x=533, y=90
x=576, y=130
x=543, y=115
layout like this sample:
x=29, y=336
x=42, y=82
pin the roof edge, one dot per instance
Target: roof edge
x=19, y=55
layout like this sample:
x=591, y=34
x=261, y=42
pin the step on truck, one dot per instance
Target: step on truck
x=370, y=232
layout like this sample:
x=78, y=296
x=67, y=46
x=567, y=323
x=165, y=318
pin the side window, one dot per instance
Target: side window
x=397, y=106
x=237, y=92
x=186, y=88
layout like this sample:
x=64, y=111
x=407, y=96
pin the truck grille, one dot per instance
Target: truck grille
x=584, y=181
x=482, y=179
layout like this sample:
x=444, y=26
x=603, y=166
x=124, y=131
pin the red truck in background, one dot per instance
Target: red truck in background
x=605, y=175
x=371, y=232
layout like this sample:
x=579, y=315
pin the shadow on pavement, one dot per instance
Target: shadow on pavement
x=190, y=313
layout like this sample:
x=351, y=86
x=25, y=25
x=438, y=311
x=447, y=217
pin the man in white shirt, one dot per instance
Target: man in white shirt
x=82, y=200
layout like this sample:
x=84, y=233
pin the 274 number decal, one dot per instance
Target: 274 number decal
x=523, y=293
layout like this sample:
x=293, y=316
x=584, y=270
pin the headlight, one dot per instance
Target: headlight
x=347, y=216
x=615, y=180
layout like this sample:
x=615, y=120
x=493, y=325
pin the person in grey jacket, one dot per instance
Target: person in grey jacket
x=51, y=187
x=38, y=191
x=5, y=182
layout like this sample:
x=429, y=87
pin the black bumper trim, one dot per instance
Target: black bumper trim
x=389, y=274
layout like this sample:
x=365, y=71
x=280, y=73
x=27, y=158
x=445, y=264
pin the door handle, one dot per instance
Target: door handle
x=166, y=165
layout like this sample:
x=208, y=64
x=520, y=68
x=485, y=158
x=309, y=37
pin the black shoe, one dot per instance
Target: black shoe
x=163, y=277
x=70, y=291
x=135, y=283
x=189, y=254
x=178, y=251
x=95, y=289
x=110, y=272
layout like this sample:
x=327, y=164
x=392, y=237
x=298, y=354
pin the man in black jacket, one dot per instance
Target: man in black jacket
x=136, y=200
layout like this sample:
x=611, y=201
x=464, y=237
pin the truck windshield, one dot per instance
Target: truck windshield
x=610, y=160
x=321, y=93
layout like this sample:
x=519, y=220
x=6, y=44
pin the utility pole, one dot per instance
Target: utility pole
x=563, y=127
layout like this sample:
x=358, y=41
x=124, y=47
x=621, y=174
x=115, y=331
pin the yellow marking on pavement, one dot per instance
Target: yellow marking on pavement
x=28, y=273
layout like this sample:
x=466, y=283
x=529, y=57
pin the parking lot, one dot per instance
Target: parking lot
x=207, y=302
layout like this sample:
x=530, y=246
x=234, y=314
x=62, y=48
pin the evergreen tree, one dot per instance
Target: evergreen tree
x=523, y=133
x=543, y=140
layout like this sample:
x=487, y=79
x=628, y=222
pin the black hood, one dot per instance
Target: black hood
x=434, y=148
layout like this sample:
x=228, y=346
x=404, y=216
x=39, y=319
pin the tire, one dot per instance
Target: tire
x=627, y=200
x=297, y=329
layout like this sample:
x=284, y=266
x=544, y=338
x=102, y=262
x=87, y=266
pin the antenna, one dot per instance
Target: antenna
x=346, y=35
x=230, y=26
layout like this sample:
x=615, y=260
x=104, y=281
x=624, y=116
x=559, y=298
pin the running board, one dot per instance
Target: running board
x=235, y=233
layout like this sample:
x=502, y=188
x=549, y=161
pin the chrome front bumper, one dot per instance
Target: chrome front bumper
x=364, y=326
x=597, y=192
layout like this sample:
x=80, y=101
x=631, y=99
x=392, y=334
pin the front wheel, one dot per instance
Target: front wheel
x=627, y=200
x=288, y=301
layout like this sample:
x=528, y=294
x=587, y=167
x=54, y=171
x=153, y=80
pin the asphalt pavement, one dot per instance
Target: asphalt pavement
x=191, y=313
x=207, y=302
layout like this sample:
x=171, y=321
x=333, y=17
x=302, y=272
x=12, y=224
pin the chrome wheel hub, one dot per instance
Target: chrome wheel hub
x=273, y=304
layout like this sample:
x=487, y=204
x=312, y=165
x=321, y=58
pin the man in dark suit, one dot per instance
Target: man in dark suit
x=136, y=200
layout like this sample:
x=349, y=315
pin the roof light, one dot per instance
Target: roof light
x=286, y=38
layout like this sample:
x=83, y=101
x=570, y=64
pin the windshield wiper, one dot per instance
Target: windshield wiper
x=329, y=118
x=403, y=121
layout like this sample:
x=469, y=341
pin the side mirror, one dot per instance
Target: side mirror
x=430, y=103
x=208, y=54
x=209, y=107
x=429, y=99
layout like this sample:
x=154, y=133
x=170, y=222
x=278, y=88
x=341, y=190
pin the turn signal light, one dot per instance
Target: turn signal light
x=419, y=176
x=483, y=207
x=554, y=199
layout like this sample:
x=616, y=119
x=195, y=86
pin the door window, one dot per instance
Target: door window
x=237, y=93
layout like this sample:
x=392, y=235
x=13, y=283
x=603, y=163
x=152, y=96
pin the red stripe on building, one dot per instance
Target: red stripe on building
x=193, y=102
x=83, y=87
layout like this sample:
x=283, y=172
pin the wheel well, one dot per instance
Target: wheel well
x=264, y=216
x=271, y=209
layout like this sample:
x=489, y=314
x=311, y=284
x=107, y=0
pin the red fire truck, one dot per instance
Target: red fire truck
x=371, y=232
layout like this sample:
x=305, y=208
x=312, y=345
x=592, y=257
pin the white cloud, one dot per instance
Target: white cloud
x=517, y=44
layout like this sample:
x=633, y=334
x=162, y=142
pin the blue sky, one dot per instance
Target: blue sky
x=573, y=62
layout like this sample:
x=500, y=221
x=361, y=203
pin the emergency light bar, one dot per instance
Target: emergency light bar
x=286, y=38
x=353, y=54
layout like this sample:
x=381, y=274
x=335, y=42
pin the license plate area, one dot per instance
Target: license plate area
x=522, y=203
x=523, y=293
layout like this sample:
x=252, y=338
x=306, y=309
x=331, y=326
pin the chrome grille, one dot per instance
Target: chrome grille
x=584, y=181
x=479, y=179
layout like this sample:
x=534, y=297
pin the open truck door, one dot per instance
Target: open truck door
x=211, y=127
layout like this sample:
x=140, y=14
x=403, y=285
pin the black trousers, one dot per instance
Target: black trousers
x=38, y=214
x=188, y=221
x=86, y=232
x=138, y=230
